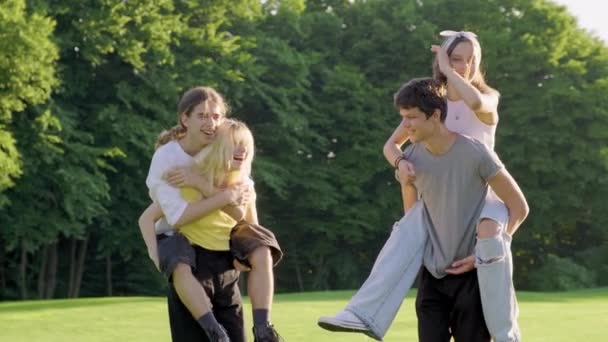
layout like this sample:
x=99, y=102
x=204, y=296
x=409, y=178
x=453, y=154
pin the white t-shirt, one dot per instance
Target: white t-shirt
x=167, y=157
x=461, y=119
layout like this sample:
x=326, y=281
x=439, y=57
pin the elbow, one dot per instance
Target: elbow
x=142, y=221
x=476, y=105
x=522, y=211
x=525, y=210
x=386, y=149
x=177, y=224
x=389, y=149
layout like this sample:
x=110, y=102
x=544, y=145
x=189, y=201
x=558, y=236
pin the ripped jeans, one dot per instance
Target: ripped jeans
x=378, y=300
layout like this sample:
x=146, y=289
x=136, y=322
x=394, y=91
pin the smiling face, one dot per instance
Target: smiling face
x=419, y=126
x=202, y=122
x=242, y=146
x=200, y=111
x=239, y=156
x=422, y=105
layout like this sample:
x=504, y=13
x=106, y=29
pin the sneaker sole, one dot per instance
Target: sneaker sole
x=338, y=328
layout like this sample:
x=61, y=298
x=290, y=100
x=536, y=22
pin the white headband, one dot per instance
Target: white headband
x=466, y=34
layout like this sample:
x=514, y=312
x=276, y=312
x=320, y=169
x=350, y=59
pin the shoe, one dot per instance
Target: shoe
x=218, y=335
x=266, y=333
x=346, y=321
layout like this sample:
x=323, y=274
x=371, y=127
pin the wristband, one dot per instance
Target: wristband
x=397, y=161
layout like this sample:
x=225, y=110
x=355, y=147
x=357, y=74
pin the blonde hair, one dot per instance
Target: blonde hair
x=186, y=105
x=214, y=161
x=450, y=43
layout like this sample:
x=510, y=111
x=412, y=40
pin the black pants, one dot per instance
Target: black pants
x=450, y=307
x=215, y=272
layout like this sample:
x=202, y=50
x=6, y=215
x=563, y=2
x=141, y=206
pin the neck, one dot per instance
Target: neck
x=190, y=145
x=440, y=142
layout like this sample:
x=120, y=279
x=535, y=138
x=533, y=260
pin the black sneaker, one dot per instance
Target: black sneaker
x=266, y=333
x=218, y=335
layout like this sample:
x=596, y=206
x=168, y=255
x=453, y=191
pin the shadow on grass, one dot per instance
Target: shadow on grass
x=36, y=305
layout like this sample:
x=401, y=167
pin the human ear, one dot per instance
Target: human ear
x=183, y=120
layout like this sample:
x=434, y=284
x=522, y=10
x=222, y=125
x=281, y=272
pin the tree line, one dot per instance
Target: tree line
x=87, y=85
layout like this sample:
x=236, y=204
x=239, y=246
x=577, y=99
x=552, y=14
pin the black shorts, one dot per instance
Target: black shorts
x=450, y=307
x=173, y=250
x=216, y=274
x=246, y=237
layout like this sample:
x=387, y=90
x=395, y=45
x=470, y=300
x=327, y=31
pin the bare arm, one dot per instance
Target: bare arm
x=485, y=106
x=392, y=147
x=409, y=194
x=509, y=192
x=237, y=212
x=186, y=176
x=196, y=210
x=251, y=215
x=392, y=151
x=146, y=225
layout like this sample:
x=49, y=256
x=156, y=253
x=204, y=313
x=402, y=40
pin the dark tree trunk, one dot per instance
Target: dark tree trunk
x=109, y=275
x=71, y=281
x=82, y=252
x=51, y=280
x=43, y=271
x=2, y=270
x=296, y=262
x=22, y=273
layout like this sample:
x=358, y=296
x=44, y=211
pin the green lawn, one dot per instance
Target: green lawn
x=580, y=316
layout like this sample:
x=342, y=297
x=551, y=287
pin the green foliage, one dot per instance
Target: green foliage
x=27, y=75
x=595, y=259
x=87, y=86
x=561, y=274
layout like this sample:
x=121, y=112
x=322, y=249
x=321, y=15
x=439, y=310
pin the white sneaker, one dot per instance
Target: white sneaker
x=346, y=321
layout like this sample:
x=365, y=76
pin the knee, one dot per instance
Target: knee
x=260, y=257
x=181, y=271
x=490, y=250
x=488, y=228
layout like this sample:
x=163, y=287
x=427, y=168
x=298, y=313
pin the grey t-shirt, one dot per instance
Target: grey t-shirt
x=453, y=187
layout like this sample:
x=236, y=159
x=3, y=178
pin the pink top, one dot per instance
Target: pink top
x=461, y=119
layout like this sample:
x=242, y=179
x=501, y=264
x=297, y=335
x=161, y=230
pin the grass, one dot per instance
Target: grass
x=580, y=316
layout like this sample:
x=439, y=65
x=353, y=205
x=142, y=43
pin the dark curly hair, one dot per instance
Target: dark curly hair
x=425, y=94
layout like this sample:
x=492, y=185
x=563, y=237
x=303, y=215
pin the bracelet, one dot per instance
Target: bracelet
x=397, y=161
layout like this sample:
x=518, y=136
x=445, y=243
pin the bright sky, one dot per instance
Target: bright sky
x=591, y=15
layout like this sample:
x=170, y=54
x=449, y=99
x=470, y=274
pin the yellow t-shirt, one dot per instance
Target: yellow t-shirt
x=211, y=231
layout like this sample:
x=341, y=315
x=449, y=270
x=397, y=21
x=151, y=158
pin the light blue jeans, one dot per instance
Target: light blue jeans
x=378, y=300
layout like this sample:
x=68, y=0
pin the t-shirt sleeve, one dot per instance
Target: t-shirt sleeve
x=168, y=197
x=408, y=152
x=489, y=163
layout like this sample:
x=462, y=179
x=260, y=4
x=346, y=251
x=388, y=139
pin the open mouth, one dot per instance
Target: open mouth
x=209, y=133
x=239, y=158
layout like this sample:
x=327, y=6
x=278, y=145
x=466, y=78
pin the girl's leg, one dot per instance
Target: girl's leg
x=260, y=286
x=378, y=300
x=494, y=264
x=260, y=283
